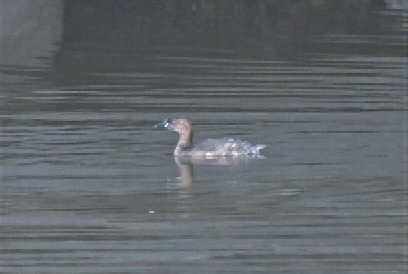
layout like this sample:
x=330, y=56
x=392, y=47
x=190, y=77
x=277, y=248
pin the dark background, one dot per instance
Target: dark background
x=217, y=23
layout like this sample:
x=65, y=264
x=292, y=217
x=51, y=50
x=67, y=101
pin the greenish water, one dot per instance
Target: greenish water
x=89, y=186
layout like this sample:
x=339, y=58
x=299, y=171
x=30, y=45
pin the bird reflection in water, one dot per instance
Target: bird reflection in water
x=186, y=198
x=186, y=165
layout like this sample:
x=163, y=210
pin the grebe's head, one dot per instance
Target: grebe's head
x=179, y=125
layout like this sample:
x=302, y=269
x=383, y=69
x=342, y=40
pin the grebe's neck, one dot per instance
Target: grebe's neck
x=185, y=141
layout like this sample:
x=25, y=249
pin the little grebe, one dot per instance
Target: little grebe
x=210, y=147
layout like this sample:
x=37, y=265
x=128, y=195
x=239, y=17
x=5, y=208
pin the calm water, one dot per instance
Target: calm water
x=89, y=186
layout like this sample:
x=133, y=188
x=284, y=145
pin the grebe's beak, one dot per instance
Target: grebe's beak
x=162, y=125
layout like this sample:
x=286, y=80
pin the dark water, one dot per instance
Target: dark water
x=89, y=186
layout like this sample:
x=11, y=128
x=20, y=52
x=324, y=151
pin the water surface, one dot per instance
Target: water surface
x=89, y=186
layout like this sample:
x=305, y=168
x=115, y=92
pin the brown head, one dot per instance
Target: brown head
x=183, y=127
